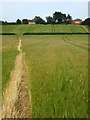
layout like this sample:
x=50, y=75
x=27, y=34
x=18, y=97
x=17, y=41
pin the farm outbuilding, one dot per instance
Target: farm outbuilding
x=76, y=22
x=32, y=22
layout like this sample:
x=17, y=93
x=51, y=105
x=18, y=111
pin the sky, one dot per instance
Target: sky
x=11, y=11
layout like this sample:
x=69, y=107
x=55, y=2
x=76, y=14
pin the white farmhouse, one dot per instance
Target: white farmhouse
x=31, y=22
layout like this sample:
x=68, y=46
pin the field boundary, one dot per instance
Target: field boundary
x=46, y=34
x=8, y=34
x=55, y=33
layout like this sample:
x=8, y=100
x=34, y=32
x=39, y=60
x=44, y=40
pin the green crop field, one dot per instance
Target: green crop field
x=19, y=29
x=88, y=27
x=57, y=68
x=9, y=52
x=58, y=76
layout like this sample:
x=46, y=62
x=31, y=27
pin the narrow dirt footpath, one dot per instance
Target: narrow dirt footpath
x=16, y=103
x=86, y=29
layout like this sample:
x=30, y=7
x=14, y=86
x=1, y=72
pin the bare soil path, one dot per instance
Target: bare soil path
x=86, y=29
x=16, y=103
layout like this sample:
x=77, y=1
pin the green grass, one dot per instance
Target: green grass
x=58, y=70
x=20, y=29
x=9, y=52
x=83, y=43
x=58, y=76
x=88, y=27
x=82, y=40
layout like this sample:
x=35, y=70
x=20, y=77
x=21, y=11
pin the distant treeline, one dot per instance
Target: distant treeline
x=57, y=18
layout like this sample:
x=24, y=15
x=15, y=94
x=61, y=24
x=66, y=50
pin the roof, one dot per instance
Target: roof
x=30, y=20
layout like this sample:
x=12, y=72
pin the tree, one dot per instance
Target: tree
x=58, y=17
x=18, y=21
x=86, y=22
x=25, y=21
x=39, y=20
x=2, y=22
x=49, y=20
x=69, y=19
x=5, y=23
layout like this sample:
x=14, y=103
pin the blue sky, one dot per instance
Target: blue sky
x=11, y=11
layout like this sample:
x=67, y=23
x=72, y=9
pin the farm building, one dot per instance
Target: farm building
x=32, y=22
x=76, y=22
